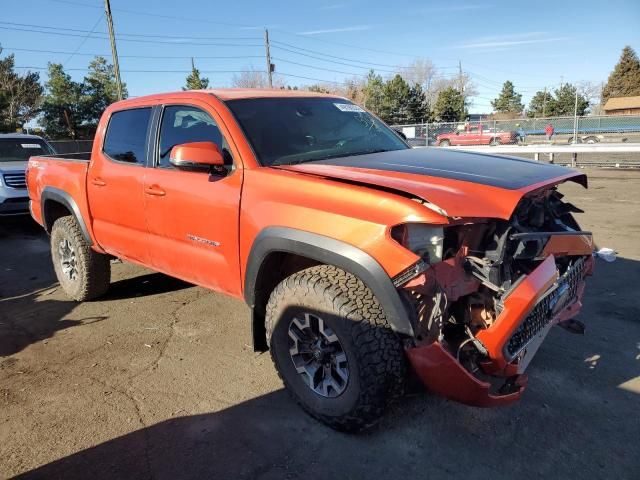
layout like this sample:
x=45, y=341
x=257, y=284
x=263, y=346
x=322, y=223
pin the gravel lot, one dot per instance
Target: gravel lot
x=157, y=381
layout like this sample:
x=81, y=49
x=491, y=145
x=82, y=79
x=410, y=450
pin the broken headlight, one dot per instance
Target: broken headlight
x=426, y=241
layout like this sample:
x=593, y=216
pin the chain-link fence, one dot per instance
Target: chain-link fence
x=588, y=129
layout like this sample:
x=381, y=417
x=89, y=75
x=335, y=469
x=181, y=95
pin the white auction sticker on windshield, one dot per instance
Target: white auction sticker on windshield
x=348, y=107
x=30, y=145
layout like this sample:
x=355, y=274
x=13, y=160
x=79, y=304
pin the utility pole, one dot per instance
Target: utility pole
x=575, y=121
x=270, y=66
x=461, y=85
x=544, y=102
x=114, y=50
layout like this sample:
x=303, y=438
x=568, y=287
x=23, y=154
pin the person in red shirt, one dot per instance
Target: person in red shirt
x=549, y=131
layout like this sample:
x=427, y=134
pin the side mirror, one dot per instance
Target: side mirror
x=196, y=155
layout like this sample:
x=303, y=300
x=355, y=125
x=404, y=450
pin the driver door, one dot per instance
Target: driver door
x=192, y=216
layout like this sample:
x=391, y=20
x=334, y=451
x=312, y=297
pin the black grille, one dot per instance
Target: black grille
x=15, y=180
x=564, y=293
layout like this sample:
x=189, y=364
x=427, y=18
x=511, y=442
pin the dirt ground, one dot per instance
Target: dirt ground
x=157, y=381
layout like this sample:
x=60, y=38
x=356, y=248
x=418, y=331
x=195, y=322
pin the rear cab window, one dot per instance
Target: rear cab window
x=126, y=137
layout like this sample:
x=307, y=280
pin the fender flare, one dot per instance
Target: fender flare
x=62, y=197
x=332, y=252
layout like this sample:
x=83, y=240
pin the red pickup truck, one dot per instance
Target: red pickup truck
x=476, y=135
x=359, y=257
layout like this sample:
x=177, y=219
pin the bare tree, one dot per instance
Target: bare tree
x=352, y=88
x=252, y=78
x=592, y=91
x=423, y=72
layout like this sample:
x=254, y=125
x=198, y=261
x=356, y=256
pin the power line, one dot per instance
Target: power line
x=312, y=78
x=331, y=61
x=161, y=57
x=131, y=39
x=320, y=68
x=332, y=56
x=238, y=25
x=364, y=75
x=143, y=35
x=159, y=15
x=79, y=69
x=375, y=50
x=83, y=40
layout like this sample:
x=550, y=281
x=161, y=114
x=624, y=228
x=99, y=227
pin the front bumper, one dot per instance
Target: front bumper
x=529, y=311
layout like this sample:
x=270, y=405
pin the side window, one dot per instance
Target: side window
x=126, y=136
x=184, y=124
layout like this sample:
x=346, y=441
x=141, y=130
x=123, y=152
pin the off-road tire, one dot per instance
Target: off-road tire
x=377, y=365
x=93, y=269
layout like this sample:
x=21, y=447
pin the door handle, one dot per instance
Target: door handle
x=98, y=182
x=155, y=190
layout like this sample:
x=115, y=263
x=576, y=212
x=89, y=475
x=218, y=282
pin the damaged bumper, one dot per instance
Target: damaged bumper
x=541, y=299
x=445, y=376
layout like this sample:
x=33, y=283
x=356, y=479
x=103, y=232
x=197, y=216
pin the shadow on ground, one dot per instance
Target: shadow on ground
x=144, y=285
x=577, y=420
x=27, y=314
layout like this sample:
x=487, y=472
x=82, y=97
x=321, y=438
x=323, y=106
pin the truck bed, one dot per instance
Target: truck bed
x=64, y=175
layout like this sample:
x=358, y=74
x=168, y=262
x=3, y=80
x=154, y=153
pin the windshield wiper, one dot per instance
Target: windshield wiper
x=367, y=152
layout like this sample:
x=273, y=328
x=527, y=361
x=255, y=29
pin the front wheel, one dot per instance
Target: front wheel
x=494, y=142
x=444, y=143
x=333, y=347
x=83, y=273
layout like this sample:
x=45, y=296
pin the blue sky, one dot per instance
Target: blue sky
x=534, y=44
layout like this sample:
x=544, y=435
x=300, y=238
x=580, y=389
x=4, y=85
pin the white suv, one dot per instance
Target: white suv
x=15, y=150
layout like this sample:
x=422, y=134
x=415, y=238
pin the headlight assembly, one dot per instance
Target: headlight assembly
x=426, y=241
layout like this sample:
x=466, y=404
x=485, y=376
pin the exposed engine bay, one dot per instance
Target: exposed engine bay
x=460, y=296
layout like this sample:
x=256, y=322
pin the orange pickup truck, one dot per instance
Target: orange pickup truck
x=361, y=259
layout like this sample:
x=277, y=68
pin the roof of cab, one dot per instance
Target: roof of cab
x=239, y=93
x=229, y=94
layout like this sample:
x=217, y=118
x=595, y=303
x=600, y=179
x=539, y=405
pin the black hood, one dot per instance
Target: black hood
x=486, y=169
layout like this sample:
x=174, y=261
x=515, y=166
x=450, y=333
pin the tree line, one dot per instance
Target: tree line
x=66, y=108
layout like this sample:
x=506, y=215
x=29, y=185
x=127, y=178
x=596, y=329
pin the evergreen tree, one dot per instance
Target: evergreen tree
x=563, y=102
x=508, y=101
x=20, y=96
x=418, y=107
x=538, y=106
x=624, y=81
x=395, y=101
x=194, y=80
x=99, y=90
x=373, y=93
x=450, y=106
x=62, y=108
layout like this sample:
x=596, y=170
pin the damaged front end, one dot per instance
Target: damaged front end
x=486, y=292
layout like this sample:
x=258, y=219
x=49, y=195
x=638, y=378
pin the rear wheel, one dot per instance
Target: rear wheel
x=333, y=347
x=444, y=143
x=83, y=274
x=494, y=142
